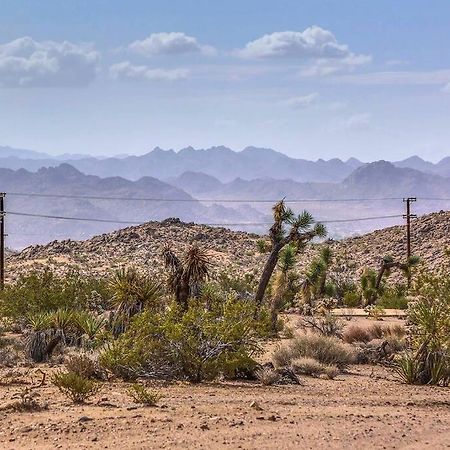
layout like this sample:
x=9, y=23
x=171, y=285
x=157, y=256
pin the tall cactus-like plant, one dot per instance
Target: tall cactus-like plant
x=286, y=229
x=187, y=274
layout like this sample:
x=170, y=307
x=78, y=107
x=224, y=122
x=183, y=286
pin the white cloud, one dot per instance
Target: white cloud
x=174, y=43
x=301, y=102
x=313, y=44
x=28, y=63
x=127, y=71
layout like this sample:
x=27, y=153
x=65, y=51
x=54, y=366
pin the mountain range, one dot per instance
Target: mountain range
x=216, y=186
x=219, y=162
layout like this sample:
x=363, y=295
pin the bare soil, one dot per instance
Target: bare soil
x=365, y=408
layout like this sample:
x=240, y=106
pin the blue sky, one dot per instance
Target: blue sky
x=313, y=79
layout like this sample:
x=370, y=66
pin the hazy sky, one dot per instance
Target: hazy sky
x=317, y=78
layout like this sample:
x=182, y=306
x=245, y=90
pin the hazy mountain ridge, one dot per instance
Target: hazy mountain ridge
x=66, y=180
x=219, y=162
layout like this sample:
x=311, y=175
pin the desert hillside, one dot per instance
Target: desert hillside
x=234, y=252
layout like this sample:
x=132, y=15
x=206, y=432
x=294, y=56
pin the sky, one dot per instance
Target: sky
x=312, y=79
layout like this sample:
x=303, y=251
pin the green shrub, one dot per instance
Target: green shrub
x=41, y=292
x=76, y=387
x=352, y=299
x=428, y=360
x=195, y=345
x=140, y=394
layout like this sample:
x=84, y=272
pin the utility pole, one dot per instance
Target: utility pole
x=408, y=216
x=2, y=240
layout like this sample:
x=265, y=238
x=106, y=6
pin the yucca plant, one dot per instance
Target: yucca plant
x=132, y=292
x=187, y=274
x=89, y=324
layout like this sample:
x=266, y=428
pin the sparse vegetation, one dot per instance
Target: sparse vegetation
x=74, y=386
x=324, y=349
x=140, y=394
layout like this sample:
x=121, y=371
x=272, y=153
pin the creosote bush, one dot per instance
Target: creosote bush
x=76, y=387
x=194, y=345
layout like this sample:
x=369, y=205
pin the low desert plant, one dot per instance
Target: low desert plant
x=267, y=376
x=327, y=350
x=311, y=367
x=307, y=366
x=76, y=387
x=326, y=324
x=84, y=365
x=140, y=394
x=195, y=345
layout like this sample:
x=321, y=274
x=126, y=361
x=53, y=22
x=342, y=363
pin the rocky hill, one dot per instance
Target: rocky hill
x=232, y=252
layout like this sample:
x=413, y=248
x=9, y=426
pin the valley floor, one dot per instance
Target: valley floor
x=365, y=408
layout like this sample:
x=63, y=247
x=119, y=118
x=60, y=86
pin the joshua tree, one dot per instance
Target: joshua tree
x=186, y=274
x=286, y=229
x=280, y=285
x=371, y=281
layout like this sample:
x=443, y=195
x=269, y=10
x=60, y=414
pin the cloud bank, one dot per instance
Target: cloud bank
x=25, y=62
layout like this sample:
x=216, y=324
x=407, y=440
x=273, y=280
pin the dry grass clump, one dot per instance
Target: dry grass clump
x=324, y=349
x=357, y=333
x=140, y=394
x=267, y=376
x=312, y=367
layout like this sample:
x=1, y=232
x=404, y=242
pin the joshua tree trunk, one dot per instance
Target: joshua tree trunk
x=267, y=273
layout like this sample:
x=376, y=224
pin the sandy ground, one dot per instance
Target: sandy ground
x=366, y=408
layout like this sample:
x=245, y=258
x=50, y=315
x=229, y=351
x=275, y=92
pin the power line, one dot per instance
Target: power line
x=126, y=222
x=206, y=200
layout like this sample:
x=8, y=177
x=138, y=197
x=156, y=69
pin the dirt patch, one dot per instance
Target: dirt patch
x=365, y=408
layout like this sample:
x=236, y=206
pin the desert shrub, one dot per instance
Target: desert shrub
x=326, y=324
x=76, y=387
x=428, y=359
x=263, y=246
x=267, y=376
x=140, y=394
x=307, y=366
x=85, y=365
x=282, y=356
x=325, y=349
x=242, y=286
x=311, y=367
x=40, y=292
x=331, y=371
x=352, y=299
x=393, y=298
x=375, y=312
x=355, y=333
x=195, y=345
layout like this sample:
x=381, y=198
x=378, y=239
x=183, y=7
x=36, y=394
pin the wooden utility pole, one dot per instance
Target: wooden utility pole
x=408, y=216
x=2, y=240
